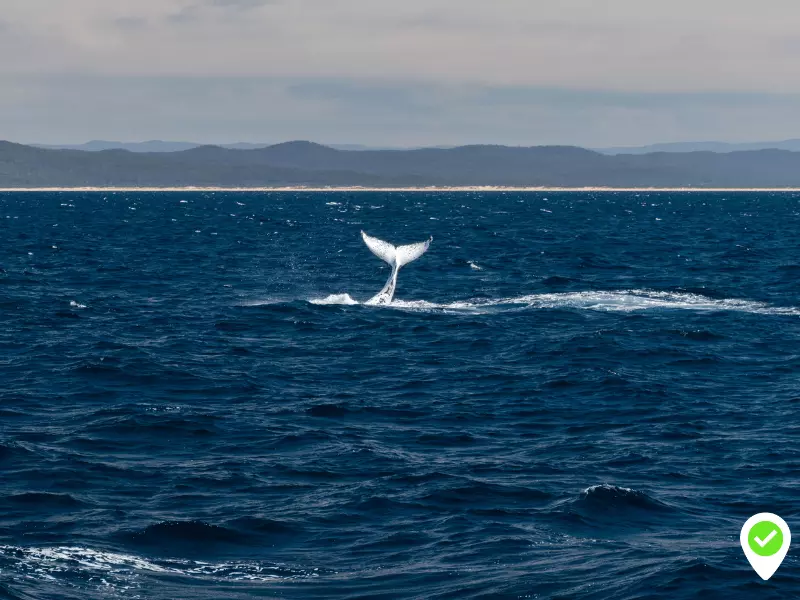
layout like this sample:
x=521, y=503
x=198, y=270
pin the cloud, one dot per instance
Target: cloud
x=576, y=71
x=130, y=23
x=240, y=4
x=187, y=14
x=49, y=109
x=196, y=11
x=369, y=97
x=626, y=45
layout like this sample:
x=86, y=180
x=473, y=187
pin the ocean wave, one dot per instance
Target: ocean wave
x=481, y=495
x=264, y=526
x=115, y=572
x=608, y=498
x=185, y=532
x=12, y=451
x=44, y=500
x=330, y=411
x=612, y=508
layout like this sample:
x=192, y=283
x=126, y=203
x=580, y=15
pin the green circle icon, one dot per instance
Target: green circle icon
x=765, y=538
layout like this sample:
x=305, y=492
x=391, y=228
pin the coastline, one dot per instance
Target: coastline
x=298, y=189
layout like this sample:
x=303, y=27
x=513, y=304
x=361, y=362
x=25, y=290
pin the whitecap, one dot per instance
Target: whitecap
x=118, y=572
x=606, y=486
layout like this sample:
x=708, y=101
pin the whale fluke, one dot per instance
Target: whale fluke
x=396, y=257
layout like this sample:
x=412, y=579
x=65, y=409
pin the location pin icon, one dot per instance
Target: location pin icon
x=765, y=540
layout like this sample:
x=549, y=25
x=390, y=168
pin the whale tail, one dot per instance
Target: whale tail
x=396, y=257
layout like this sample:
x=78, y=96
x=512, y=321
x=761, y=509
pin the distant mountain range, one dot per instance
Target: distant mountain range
x=306, y=163
x=166, y=146
x=162, y=146
x=790, y=145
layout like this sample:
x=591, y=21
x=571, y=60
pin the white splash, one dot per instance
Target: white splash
x=343, y=299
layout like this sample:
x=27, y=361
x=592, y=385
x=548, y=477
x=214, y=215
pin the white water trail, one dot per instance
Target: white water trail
x=623, y=301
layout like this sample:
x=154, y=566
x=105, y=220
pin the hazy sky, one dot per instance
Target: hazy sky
x=586, y=72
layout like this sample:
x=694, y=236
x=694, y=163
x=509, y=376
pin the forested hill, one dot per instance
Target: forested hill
x=306, y=163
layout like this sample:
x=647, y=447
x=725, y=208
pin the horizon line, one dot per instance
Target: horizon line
x=476, y=188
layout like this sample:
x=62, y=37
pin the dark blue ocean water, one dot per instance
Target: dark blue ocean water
x=575, y=395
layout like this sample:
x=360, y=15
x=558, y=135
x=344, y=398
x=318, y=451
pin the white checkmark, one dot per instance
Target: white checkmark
x=766, y=539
